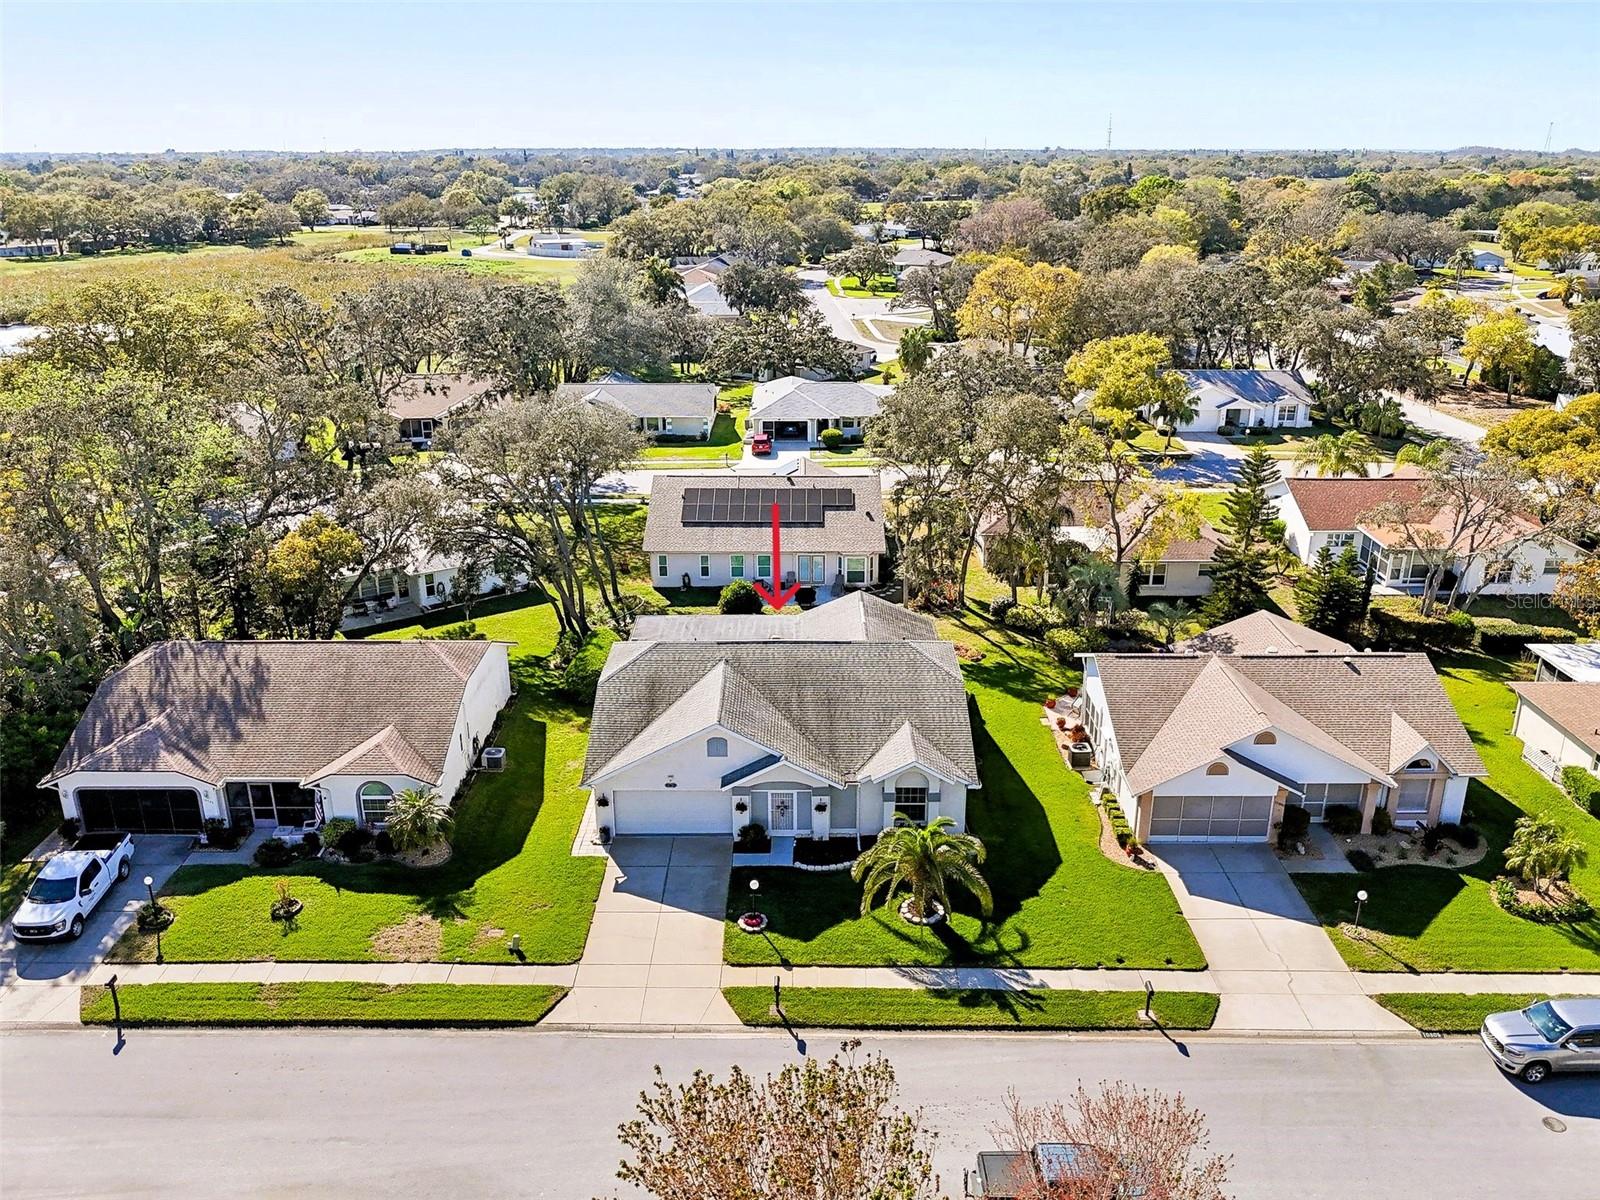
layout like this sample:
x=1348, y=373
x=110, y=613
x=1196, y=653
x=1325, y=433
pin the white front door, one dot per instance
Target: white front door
x=781, y=805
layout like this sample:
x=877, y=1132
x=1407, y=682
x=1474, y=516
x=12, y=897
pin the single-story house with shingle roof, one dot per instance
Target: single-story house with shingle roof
x=675, y=410
x=1559, y=724
x=1228, y=400
x=912, y=257
x=423, y=405
x=278, y=733
x=1210, y=747
x=826, y=724
x=713, y=528
x=1262, y=632
x=800, y=409
x=706, y=298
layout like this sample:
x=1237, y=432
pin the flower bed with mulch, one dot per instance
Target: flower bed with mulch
x=1559, y=903
x=1400, y=849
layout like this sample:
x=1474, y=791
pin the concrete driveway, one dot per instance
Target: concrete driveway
x=1274, y=966
x=654, y=953
x=24, y=966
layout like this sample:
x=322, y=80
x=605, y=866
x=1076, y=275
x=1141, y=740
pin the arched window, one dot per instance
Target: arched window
x=911, y=797
x=1217, y=768
x=1419, y=764
x=716, y=747
x=375, y=799
x=1266, y=738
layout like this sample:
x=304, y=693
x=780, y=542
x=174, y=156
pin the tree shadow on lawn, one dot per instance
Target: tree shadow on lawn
x=1011, y=1005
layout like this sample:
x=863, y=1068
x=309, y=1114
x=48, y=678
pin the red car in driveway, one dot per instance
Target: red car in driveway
x=761, y=444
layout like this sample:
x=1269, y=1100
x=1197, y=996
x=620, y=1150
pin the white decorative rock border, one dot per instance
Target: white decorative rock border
x=933, y=918
x=753, y=922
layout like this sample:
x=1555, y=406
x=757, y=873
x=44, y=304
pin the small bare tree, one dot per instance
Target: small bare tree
x=817, y=1129
x=1130, y=1144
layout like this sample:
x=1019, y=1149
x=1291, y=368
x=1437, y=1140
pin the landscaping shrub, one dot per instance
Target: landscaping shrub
x=1034, y=618
x=383, y=843
x=355, y=844
x=333, y=831
x=1360, y=860
x=1463, y=835
x=1431, y=837
x=1583, y=787
x=1293, y=828
x=224, y=836
x=1500, y=637
x=752, y=839
x=739, y=597
x=1066, y=644
x=1399, y=624
x=582, y=675
x=310, y=845
x=1574, y=908
x=1382, y=822
x=806, y=597
x=999, y=607
x=832, y=439
x=274, y=852
x=1342, y=819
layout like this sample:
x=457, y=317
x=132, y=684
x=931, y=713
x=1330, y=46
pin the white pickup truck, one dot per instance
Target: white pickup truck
x=71, y=884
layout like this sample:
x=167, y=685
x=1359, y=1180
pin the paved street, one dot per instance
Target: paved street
x=474, y=1114
x=1441, y=424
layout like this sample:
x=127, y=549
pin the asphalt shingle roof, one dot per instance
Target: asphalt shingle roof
x=435, y=396
x=1573, y=706
x=794, y=399
x=1175, y=712
x=1263, y=633
x=853, y=617
x=277, y=710
x=1220, y=388
x=855, y=531
x=648, y=399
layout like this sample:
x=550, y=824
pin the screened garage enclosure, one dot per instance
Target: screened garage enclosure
x=1210, y=818
x=141, y=810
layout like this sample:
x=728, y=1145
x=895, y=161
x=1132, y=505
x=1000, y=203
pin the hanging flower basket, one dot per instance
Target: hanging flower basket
x=753, y=922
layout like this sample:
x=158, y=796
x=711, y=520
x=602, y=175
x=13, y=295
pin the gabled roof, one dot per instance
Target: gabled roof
x=1084, y=515
x=1263, y=632
x=849, y=511
x=648, y=399
x=826, y=706
x=1257, y=389
x=707, y=300
x=1573, y=706
x=853, y=617
x=424, y=396
x=920, y=256
x=794, y=399
x=1337, y=505
x=216, y=711
x=1175, y=712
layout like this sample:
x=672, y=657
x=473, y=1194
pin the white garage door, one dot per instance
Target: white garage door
x=665, y=811
x=1210, y=818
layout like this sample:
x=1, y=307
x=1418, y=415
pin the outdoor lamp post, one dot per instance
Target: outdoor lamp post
x=150, y=886
x=1361, y=898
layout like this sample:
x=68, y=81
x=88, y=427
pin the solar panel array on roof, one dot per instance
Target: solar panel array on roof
x=753, y=505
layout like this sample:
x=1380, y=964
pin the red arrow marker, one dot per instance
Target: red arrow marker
x=774, y=595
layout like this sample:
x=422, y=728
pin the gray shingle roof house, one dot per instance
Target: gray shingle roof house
x=424, y=404
x=706, y=298
x=1246, y=399
x=1212, y=746
x=1263, y=633
x=671, y=409
x=826, y=724
x=909, y=257
x=271, y=732
x=714, y=528
x=792, y=407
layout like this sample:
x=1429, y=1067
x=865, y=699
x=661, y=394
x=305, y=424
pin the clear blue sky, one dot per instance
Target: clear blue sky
x=244, y=75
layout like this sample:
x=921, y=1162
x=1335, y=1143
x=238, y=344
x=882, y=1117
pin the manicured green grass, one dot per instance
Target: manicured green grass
x=1286, y=443
x=726, y=441
x=1058, y=901
x=561, y=271
x=412, y=1005
x=511, y=871
x=915, y=1008
x=1453, y=1012
x=849, y=285
x=1436, y=919
x=1148, y=440
x=16, y=873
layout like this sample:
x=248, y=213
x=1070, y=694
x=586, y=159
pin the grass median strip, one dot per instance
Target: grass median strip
x=409, y=1005
x=1454, y=1012
x=916, y=1008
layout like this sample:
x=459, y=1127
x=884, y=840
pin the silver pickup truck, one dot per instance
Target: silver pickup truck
x=71, y=884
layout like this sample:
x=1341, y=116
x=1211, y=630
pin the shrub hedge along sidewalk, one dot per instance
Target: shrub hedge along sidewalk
x=404, y=1005
x=1058, y=901
x=914, y=1008
x=1433, y=918
x=511, y=871
x=1453, y=1012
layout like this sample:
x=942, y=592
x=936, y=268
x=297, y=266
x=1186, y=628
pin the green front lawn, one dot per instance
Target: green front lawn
x=1286, y=443
x=412, y=1005
x=16, y=872
x=1059, y=902
x=726, y=441
x=1453, y=1012
x=849, y=285
x=973, y=1008
x=511, y=871
x=1436, y=919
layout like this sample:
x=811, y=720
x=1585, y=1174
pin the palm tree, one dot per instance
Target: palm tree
x=1169, y=616
x=1463, y=260
x=1094, y=590
x=1542, y=851
x=922, y=860
x=418, y=817
x=1350, y=453
x=1177, y=409
x=1570, y=289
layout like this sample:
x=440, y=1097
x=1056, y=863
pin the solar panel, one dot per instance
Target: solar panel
x=752, y=506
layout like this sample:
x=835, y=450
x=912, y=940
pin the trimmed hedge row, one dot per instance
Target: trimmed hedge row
x=1583, y=787
x=1398, y=623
